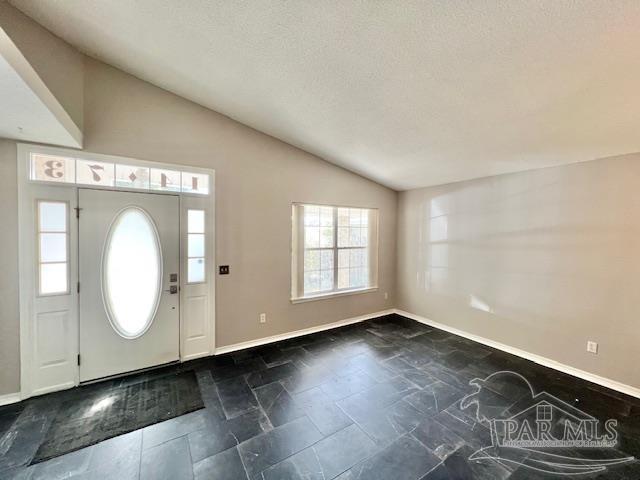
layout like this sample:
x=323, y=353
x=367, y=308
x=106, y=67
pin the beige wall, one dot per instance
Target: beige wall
x=257, y=179
x=542, y=261
x=58, y=65
x=9, y=301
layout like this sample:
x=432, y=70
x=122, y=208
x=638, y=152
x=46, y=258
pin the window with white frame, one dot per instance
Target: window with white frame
x=52, y=247
x=334, y=250
x=196, y=246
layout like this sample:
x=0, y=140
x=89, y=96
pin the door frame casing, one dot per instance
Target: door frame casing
x=197, y=301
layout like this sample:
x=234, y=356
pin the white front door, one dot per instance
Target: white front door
x=129, y=254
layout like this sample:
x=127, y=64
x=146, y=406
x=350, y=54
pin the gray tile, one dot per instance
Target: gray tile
x=218, y=436
x=434, y=398
x=342, y=450
x=417, y=358
x=176, y=427
x=398, y=365
x=387, y=424
x=341, y=387
x=458, y=465
x=117, y=457
x=328, y=418
x=236, y=396
x=439, y=439
x=419, y=378
x=236, y=370
x=404, y=459
x=305, y=379
x=272, y=447
x=20, y=443
x=18, y=473
x=210, y=441
x=277, y=404
x=65, y=466
x=324, y=413
x=472, y=432
x=424, y=401
x=209, y=394
x=378, y=396
x=226, y=465
x=301, y=466
x=271, y=374
x=169, y=461
x=415, y=400
x=249, y=424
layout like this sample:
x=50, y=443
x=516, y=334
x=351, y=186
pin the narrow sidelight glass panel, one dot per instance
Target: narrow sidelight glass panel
x=195, y=270
x=195, y=221
x=53, y=278
x=195, y=245
x=132, y=272
x=53, y=216
x=53, y=247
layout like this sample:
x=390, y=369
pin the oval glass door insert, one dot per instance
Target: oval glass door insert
x=132, y=272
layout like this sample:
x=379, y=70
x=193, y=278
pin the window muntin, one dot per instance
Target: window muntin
x=333, y=252
x=52, y=238
x=196, y=254
x=132, y=272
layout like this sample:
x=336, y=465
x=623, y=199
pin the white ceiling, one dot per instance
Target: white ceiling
x=28, y=110
x=409, y=93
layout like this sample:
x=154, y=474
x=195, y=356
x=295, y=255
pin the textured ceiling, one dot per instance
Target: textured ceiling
x=408, y=93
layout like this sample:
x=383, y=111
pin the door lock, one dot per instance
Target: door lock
x=173, y=289
x=173, y=277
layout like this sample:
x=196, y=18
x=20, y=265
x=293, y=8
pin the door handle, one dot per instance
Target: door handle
x=173, y=289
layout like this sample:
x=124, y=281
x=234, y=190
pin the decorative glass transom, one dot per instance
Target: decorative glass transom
x=132, y=272
x=60, y=169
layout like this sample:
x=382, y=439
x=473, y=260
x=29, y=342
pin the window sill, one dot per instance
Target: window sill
x=324, y=296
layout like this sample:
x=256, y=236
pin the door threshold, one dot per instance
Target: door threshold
x=131, y=373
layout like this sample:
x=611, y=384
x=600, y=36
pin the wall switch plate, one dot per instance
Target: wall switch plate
x=386, y=295
x=592, y=347
x=263, y=318
x=224, y=269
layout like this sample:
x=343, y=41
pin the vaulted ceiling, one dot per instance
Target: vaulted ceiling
x=409, y=93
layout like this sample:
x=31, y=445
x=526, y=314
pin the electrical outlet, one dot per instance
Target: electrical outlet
x=386, y=295
x=592, y=347
x=263, y=318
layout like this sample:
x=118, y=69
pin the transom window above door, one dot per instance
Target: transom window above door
x=57, y=169
x=334, y=250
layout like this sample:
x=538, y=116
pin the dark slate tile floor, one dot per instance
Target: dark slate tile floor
x=375, y=400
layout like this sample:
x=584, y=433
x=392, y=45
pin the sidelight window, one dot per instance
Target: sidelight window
x=53, y=268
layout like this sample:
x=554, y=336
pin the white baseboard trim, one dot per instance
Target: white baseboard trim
x=10, y=398
x=547, y=362
x=297, y=333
